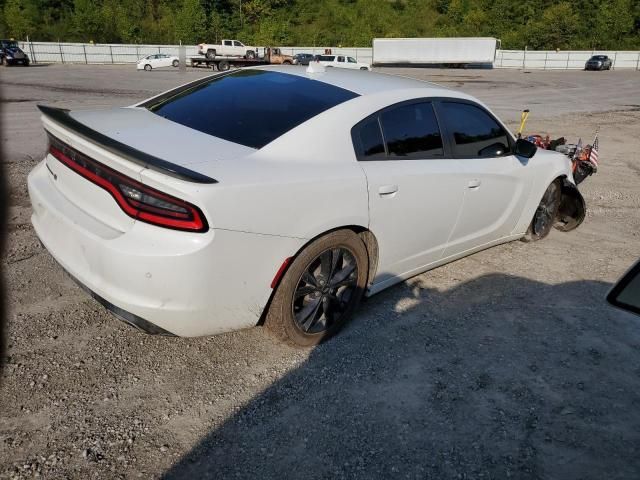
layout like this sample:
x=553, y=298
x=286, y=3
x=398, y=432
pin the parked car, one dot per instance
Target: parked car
x=354, y=183
x=227, y=48
x=341, y=61
x=157, y=60
x=598, y=62
x=12, y=54
x=302, y=58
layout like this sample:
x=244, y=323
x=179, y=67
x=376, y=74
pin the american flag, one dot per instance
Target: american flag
x=593, y=156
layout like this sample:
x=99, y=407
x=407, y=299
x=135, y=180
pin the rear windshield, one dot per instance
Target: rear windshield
x=249, y=107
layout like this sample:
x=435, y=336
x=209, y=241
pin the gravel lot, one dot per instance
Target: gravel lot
x=504, y=364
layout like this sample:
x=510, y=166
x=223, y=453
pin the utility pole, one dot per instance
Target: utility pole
x=240, y=11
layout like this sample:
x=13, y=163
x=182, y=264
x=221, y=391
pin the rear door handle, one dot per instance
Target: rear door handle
x=475, y=183
x=387, y=190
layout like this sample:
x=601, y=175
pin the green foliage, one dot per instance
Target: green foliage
x=537, y=24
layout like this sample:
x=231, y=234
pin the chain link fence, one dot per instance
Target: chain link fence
x=88, y=53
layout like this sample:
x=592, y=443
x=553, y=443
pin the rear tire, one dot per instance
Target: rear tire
x=320, y=290
x=148, y=67
x=546, y=213
x=364, y=68
x=223, y=66
x=250, y=55
x=211, y=54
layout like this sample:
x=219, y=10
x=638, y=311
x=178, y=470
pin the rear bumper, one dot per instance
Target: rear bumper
x=187, y=284
x=127, y=317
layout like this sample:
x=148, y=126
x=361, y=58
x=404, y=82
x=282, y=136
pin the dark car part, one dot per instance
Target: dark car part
x=626, y=293
x=319, y=290
x=572, y=208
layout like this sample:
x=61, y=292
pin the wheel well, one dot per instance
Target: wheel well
x=368, y=238
x=572, y=208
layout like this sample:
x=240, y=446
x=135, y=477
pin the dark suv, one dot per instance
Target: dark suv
x=11, y=54
x=598, y=62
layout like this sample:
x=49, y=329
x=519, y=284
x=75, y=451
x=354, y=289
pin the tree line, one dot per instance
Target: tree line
x=536, y=24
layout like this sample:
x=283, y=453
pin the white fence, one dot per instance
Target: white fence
x=554, y=60
x=50, y=52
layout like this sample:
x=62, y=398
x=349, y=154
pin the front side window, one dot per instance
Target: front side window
x=412, y=131
x=237, y=44
x=475, y=133
x=351, y=60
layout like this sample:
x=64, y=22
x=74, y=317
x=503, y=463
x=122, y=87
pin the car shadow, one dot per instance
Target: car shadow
x=497, y=377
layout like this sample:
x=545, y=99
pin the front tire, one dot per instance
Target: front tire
x=175, y=63
x=546, y=213
x=223, y=66
x=320, y=290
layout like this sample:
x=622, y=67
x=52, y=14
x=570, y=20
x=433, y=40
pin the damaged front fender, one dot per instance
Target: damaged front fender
x=572, y=208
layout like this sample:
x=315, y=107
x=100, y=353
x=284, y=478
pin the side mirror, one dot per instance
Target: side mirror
x=626, y=293
x=524, y=148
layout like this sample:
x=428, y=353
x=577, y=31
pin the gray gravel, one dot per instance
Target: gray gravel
x=504, y=364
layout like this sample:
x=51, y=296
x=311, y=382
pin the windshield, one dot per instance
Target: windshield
x=249, y=107
x=9, y=44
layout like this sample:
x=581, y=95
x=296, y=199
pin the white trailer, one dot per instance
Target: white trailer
x=435, y=51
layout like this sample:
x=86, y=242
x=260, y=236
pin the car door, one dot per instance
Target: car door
x=495, y=179
x=341, y=61
x=351, y=63
x=238, y=48
x=227, y=48
x=415, y=192
x=163, y=60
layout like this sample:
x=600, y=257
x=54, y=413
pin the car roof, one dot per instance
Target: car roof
x=366, y=83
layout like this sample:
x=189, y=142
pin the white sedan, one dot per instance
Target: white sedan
x=352, y=185
x=342, y=61
x=157, y=60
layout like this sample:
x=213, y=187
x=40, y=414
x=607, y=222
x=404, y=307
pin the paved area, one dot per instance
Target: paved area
x=505, y=364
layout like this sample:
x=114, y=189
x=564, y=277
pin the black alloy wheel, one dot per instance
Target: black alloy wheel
x=325, y=290
x=546, y=213
x=320, y=289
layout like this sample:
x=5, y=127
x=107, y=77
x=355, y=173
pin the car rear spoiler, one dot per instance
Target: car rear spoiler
x=62, y=117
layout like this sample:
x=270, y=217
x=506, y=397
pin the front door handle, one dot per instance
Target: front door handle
x=387, y=190
x=475, y=183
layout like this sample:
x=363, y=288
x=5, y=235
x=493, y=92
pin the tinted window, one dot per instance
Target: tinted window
x=367, y=139
x=227, y=42
x=412, y=131
x=237, y=44
x=351, y=60
x=341, y=59
x=249, y=107
x=475, y=132
x=326, y=58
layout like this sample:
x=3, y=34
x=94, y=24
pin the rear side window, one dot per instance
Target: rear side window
x=326, y=58
x=475, y=132
x=412, y=131
x=249, y=107
x=368, y=141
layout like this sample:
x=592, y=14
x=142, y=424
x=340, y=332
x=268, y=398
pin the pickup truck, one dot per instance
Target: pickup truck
x=227, y=48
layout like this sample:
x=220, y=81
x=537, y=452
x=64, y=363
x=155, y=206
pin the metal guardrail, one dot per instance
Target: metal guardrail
x=88, y=53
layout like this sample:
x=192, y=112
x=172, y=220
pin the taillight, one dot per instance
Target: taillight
x=134, y=198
